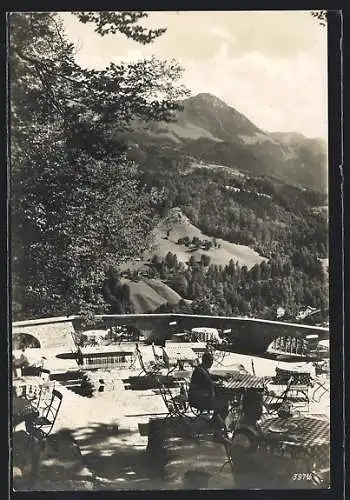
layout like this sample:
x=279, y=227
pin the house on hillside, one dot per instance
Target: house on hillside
x=232, y=188
x=304, y=313
x=280, y=312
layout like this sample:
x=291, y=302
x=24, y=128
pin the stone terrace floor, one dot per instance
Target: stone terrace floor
x=99, y=445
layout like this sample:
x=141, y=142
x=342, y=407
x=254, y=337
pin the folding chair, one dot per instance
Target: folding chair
x=295, y=393
x=152, y=369
x=39, y=430
x=298, y=393
x=36, y=391
x=41, y=427
x=320, y=388
x=183, y=412
x=157, y=357
x=235, y=411
x=322, y=367
x=177, y=406
x=32, y=393
x=272, y=402
x=218, y=356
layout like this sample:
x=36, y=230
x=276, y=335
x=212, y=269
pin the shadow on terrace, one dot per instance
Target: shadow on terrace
x=96, y=457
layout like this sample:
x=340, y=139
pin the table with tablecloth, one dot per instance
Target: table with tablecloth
x=289, y=453
x=232, y=390
x=235, y=385
x=30, y=387
x=241, y=381
x=303, y=437
x=178, y=356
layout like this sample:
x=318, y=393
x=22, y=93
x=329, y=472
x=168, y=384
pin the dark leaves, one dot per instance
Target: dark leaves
x=110, y=23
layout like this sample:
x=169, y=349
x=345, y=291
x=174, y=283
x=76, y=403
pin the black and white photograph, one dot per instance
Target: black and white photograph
x=169, y=212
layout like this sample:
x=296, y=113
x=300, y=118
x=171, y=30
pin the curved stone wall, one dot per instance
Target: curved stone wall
x=247, y=335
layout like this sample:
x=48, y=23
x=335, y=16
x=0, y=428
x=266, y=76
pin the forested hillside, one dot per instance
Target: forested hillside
x=281, y=222
x=270, y=216
x=286, y=225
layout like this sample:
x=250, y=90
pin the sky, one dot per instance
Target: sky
x=269, y=65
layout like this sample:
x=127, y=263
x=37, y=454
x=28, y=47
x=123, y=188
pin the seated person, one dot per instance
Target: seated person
x=19, y=363
x=202, y=394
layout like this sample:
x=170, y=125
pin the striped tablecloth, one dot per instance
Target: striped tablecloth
x=241, y=381
x=300, y=437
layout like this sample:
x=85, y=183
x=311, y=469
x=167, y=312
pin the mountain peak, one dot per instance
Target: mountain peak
x=208, y=98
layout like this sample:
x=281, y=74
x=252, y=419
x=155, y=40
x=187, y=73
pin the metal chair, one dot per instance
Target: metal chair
x=319, y=387
x=182, y=411
x=295, y=393
x=41, y=427
x=298, y=393
x=157, y=357
x=177, y=405
x=152, y=369
x=218, y=356
x=199, y=413
x=39, y=430
x=272, y=402
x=32, y=393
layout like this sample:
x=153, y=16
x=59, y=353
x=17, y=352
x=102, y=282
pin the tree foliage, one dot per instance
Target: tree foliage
x=292, y=283
x=123, y=22
x=77, y=203
x=116, y=294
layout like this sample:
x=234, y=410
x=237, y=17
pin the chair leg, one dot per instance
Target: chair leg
x=35, y=452
x=224, y=465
